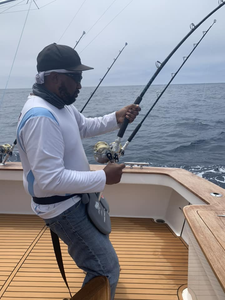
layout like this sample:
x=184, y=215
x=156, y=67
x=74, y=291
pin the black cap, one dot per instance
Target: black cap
x=55, y=56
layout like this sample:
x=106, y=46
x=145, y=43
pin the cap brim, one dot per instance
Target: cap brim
x=80, y=68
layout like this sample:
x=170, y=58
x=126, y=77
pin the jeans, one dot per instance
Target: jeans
x=91, y=250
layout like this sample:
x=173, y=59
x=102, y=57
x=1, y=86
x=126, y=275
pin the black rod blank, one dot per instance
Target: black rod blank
x=161, y=65
x=172, y=78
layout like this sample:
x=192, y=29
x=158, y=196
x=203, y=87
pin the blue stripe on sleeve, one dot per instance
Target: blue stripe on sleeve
x=34, y=112
x=30, y=180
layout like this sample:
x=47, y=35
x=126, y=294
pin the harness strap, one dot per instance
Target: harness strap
x=58, y=255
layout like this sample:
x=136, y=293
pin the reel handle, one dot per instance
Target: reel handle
x=126, y=121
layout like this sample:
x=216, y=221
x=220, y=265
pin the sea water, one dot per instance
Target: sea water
x=185, y=129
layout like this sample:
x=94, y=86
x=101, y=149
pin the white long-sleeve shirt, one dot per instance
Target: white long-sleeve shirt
x=52, y=154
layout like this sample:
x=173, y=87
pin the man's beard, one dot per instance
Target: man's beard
x=65, y=96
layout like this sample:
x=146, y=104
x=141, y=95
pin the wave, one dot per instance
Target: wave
x=191, y=146
x=192, y=124
x=210, y=143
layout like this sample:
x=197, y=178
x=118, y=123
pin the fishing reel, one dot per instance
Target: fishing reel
x=103, y=152
x=5, y=149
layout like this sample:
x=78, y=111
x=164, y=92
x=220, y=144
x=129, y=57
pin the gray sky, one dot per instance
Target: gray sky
x=151, y=29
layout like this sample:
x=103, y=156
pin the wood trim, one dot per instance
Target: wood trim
x=180, y=291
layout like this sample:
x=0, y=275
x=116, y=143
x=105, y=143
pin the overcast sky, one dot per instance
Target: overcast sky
x=151, y=28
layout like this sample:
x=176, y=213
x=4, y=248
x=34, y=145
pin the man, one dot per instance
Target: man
x=55, y=166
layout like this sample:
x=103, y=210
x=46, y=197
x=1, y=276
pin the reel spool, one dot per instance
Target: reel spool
x=5, y=149
x=103, y=153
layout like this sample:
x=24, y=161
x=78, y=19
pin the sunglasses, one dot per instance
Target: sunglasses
x=77, y=77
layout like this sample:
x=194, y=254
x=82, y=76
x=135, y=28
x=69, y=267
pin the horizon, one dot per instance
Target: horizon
x=126, y=85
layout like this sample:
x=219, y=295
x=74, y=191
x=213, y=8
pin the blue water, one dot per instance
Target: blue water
x=186, y=128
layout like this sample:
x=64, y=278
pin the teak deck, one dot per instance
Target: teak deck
x=154, y=262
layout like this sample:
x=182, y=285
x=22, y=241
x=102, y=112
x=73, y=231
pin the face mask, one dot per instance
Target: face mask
x=66, y=97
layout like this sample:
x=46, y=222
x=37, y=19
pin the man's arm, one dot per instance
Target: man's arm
x=95, y=126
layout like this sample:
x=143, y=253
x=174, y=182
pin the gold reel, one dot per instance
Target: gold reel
x=5, y=149
x=102, y=152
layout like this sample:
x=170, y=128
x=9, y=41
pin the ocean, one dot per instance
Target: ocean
x=186, y=128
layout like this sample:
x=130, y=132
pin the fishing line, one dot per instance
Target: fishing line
x=72, y=20
x=115, y=59
x=116, y=144
x=101, y=16
x=48, y=4
x=93, y=25
x=18, y=45
x=11, y=7
x=106, y=26
x=39, y=8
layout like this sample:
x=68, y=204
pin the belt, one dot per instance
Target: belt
x=52, y=199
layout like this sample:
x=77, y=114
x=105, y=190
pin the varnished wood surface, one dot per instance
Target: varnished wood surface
x=11, y=166
x=205, y=232
x=96, y=289
x=153, y=261
x=200, y=187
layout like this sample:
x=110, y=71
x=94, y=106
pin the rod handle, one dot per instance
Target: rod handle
x=123, y=128
x=126, y=121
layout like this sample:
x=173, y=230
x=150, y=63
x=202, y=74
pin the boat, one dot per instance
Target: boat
x=167, y=228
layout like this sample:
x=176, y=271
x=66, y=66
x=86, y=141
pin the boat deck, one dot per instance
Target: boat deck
x=154, y=262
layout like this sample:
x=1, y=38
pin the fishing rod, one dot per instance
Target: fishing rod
x=6, y=1
x=115, y=59
x=36, y=4
x=116, y=145
x=104, y=152
x=77, y=42
x=163, y=91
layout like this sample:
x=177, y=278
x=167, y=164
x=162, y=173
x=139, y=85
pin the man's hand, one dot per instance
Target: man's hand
x=113, y=172
x=130, y=112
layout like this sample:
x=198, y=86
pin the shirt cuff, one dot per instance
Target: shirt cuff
x=102, y=178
